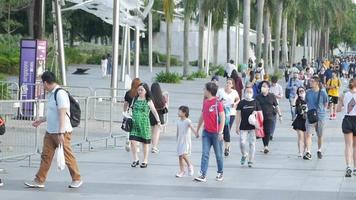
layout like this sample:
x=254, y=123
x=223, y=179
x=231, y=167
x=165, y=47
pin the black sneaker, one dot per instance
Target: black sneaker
x=1, y=183
x=348, y=172
x=307, y=156
x=250, y=164
x=266, y=150
x=200, y=178
x=320, y=156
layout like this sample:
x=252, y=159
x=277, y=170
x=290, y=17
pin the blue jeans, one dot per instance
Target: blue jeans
x=292, y=108
x=211, y=139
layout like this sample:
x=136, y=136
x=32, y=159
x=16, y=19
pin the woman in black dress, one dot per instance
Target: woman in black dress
x=160, y=103
x=299, y=122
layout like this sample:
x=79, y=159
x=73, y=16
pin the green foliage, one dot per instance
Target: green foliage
x=94, y=59
x=168, y=77
x=74, y=56
x=158, y=59
x=168, y=9
x=216, y=70
x=86, y=54
x=194, y=63
x=3, y=89
x=197, y=74
x=9, y=54
x=278, y=74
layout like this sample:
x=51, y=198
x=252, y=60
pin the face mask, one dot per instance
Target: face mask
x=248, y=95
x=264, y=90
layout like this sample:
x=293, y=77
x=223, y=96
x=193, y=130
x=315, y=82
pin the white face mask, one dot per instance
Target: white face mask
x=264, y=89
x=248, y=95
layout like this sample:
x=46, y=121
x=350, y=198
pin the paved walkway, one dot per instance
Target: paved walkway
x=107, y=172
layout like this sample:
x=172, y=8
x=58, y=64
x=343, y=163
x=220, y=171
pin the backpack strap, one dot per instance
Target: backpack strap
x=55, y=97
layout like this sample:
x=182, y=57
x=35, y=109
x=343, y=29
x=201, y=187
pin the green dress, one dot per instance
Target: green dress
x=141, y=129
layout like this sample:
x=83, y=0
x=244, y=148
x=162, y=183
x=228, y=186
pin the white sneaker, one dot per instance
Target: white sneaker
x=76, y=184
x=34, y=184
x=219, y=177
x=180, y=175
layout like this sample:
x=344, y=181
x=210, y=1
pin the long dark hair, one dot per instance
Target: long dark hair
x=148, y=92
x=235, y=77
x=157, y=96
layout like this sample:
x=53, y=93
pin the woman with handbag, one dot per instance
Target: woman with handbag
x=299, y=122
x=160, y=104
x=128, y=100
x=141, y=130
x=245, y=127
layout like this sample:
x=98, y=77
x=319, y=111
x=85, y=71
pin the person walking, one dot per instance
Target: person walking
x=213, y=118
x=184, y=142
x=230, y=99
x=270, y=109
x=103, y=65
x=348, y=102
x=245, y=108
x=230, y=66
x=109, y=64
x=237, y=82
x=292, y=86
x=160, y=104
x=277, y=90
x=299, y=122
x=141, y=130
x=128, y=100
x=317, y=102
x=59, y=131
x=333, y=86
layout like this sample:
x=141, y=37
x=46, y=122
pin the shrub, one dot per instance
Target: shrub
x=94, y=59
x=3, y=89
x=170, y=77
x=194, y=63
x=277, y=74
x=199, y=74
x=216, y=70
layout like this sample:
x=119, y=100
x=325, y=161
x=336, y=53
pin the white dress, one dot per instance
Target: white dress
x=184, y=137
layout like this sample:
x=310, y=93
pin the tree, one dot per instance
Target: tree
x=267, y=34
x=231, y=15
x=190, y=7
x=246, y=22
x=168, y=9
x=10, y=25
x=259, y=24
x=279, y=9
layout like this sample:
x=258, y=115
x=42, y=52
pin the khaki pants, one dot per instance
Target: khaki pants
x=49, y=147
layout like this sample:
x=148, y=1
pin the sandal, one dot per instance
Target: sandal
x=143, y=165
x=135, y=163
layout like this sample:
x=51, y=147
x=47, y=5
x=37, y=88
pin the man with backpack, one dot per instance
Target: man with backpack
x=59, y=120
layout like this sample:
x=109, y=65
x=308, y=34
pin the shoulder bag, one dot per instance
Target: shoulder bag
x=312, y=114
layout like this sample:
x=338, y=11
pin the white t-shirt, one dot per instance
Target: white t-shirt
x=228, y=99
x=53, y=113
x=276, y=90
x=229, y=68
x=350, y=104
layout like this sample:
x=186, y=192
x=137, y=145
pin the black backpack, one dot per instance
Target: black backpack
x=75, y=111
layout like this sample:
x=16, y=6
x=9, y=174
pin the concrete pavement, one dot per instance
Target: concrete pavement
x=107, y=172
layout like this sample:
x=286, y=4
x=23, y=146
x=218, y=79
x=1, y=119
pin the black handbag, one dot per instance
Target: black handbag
x=164, y=110
x=2, y=126
x=127, y=123
x=313, y=113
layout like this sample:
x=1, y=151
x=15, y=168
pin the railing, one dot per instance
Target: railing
x=9, y=90
x=100, y=121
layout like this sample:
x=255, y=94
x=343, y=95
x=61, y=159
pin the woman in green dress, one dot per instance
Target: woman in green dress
x=141, y=129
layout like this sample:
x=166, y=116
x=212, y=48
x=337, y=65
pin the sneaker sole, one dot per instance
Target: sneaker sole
x=71, y=186
x=200, y=180
x=348, y=173
x=34, y=186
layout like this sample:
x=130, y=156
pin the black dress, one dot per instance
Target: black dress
x=299, y=122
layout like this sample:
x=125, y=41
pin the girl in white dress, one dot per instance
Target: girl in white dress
x=184, y=141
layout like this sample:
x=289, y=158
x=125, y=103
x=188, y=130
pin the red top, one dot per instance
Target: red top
x=210, y=115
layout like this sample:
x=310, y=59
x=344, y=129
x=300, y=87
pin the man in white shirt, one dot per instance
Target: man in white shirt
x=59, y=131
x=229, y=68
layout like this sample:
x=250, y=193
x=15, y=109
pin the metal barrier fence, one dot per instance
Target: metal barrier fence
x=20, y=139
x=9, y=90
x=100, y=121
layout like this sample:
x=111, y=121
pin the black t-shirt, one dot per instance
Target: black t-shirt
x=268, y=105
x=246, y=108
x=128, y=98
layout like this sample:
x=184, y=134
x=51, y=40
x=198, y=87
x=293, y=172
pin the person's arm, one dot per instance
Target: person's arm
x=200, y=123
x=39, y=121
x=194, y=131
x=340, y=104
x=154, y=111
x=221, y=125
x=126, y=106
